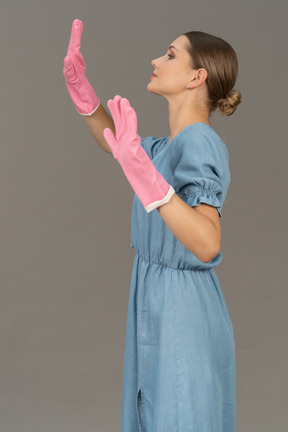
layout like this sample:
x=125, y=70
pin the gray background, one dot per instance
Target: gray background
x=65, y=212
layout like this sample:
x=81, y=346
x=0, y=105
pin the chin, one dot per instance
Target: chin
x=151, y=90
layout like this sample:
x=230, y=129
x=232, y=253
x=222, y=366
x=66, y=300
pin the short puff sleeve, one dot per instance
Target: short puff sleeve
x=151, y=145
x=200, y=168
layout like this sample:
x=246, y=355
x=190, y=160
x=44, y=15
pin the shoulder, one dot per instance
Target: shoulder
x=152, y=144
x=199, y=153
x=199, y=143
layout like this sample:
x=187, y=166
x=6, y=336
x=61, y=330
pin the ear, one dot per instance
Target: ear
x=199, y=78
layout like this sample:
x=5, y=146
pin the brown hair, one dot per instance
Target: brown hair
x=220, y=61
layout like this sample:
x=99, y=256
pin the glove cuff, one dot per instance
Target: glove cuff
x=92, y=112
x=156, y=204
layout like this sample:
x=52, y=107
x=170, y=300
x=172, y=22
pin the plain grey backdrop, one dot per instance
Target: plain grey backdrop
x=66, y=205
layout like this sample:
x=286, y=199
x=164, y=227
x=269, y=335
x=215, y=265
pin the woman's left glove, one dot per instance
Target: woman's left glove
x=81, y=91
x=148, y=184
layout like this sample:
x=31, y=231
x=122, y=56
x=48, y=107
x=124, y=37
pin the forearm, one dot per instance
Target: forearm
x=96, y=123
x=194, y=230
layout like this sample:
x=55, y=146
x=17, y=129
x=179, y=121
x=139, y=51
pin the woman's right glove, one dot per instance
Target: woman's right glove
x=82, y=93
x=149, y=185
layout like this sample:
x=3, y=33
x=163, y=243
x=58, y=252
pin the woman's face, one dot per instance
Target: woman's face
x=173, y=70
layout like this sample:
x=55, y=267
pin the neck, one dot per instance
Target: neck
x=182, y=115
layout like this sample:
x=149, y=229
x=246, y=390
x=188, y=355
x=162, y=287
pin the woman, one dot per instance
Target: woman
x=179, y=367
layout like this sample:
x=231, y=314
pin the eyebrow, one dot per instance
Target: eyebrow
x=172, y=46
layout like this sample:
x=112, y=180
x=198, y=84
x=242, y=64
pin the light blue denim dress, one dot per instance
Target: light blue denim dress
x=179, y=366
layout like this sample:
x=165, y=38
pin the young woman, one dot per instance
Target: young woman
x=179, y=367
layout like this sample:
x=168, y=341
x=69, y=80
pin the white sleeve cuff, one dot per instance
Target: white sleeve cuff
x=156, y=204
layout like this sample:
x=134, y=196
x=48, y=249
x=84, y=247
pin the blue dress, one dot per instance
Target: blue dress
x=179, y=365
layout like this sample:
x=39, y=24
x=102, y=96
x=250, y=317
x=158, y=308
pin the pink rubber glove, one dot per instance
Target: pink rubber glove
x=82, y=93
x=149, y=185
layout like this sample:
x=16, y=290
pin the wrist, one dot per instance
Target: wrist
x=159, y=203
x=90, y=113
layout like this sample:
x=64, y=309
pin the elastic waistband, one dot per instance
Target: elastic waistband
x=159, y=264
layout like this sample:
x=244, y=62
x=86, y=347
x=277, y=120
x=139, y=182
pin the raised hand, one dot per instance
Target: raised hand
x=148, y=184
x=125, y=121
x=81, y=92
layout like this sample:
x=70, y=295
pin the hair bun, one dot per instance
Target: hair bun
x=229, y=104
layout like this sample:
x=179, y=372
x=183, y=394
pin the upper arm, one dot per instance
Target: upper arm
x=200, y=169
x=212, y=214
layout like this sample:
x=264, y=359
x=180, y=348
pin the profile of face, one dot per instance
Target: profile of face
x=173, y=70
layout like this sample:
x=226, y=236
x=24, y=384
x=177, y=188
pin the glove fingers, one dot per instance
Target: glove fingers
x=131, y=120
x=114, y=107
x=124, y=116
x=75, y=39
x=125, y=104
x=69, y=70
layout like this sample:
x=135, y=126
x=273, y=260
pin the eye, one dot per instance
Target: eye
x=170, y=56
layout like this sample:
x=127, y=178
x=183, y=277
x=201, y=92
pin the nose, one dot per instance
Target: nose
x=154, y=63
